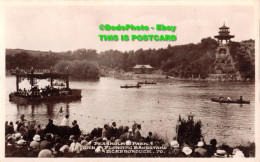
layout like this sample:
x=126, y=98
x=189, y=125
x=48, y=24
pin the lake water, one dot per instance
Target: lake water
x=155, y=107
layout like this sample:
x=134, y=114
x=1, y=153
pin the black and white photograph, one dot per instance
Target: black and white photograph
x=157, y=79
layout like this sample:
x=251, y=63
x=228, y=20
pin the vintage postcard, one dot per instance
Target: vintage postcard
x=136, y=79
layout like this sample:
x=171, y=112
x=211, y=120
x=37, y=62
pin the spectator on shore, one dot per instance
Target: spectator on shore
x=212, y=148
x=75, y=128
x=104, y=131
x=39, y=130
x=65, y=121
x=23, y=129
x=35, y=145
x=149, y=137
x=9, y=129
x=113, y=130
x=127, y=135
x=50, y=128
x=120, y=130
x=187, y=151
x=6, y=125
x=47, y=143
x=137, y=133
x=175, y=151
x=22, y=118
x=75, y=146
x=238, y=153
x=16, y=126
x=46, y=153
x=203, y=152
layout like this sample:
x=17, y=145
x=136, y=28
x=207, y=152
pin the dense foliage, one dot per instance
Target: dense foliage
x=79, y=68
x=188, y=60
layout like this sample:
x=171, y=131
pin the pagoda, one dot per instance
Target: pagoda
x=224, y=34
x=224, y=67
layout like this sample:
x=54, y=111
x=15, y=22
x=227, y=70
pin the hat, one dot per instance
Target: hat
x=83, y=142
x=220, y=153
x=186, y=150
x=64, y=148
x=238, y=154
x=200, y=143
x=130, y=130
x=18, y=135
x=71, y=137
x=36, y=138
x=21, y=142
x=175, y=144
x=34, y=145
x=48, y=136
x=117, y=140
x=99, y=149
x=128, y=143
x=45, y=153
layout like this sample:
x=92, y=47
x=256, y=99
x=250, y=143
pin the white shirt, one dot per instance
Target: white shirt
x=75, y=147
x=15, y=127
x=65, y=122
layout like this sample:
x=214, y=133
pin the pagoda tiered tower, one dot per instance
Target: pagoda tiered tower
x=224, y=68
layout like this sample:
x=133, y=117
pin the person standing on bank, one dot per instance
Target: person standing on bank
x=114, y=130
x=104, y=131
x=137, y=133
x=75, y=128
x=65, y=121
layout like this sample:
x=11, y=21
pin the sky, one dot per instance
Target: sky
x=63, y=28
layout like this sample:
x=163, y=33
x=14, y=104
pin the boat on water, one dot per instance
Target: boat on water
x=146, y=82
x=46, y=94
x=230, y=101
x=131, y=86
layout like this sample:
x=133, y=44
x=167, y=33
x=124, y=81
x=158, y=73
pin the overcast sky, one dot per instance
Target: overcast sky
x=63, y=28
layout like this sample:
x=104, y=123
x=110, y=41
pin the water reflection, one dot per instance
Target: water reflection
x=156, y=107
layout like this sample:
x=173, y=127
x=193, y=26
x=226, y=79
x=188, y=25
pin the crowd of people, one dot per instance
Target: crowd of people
x=43, y=92
x=26, y=139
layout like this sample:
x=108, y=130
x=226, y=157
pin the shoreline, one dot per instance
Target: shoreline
x=133, y=76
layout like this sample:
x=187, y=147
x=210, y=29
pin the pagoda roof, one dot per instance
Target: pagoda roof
x=224, y=36
x=224, y=26
x=41, y=75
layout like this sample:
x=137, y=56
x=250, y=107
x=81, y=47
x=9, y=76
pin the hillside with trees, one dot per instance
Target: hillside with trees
x=179, y=61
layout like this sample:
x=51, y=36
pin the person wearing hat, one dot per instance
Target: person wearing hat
x=21, y=142
x=187, y=151
x=35, y=143
x=17, y=136
x=45, y=154
x=175, y=150
x=75, y=128
x=65, y=150
x=203, y=152
x=99, y=150
x=47, y=143
x=84, y=145
x=220, y=153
